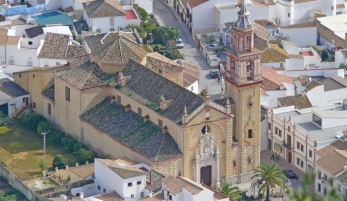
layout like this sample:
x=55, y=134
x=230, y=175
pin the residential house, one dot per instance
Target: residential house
x=331, y=163
x=81, y=172
x=275, y=86
x=12, y=97
x=297, y=134
x=108, y=15
x=332, y=31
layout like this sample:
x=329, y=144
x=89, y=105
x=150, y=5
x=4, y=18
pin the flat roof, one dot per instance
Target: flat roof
x=58, y=30
x=305, y=125
x=341, y=114
x=337, y=23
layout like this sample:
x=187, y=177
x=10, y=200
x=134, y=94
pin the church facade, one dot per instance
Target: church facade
x=135, y=112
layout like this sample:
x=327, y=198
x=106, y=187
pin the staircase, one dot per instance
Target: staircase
x=19, y=111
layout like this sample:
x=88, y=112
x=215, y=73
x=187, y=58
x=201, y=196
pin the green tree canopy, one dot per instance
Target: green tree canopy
x=234, y=193
x=266, y=178
x=59, y=161
x=85, y=155
x=169, y=36
x=143, y=12
x=44, y=126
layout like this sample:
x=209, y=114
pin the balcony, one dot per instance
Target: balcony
x=286, y=145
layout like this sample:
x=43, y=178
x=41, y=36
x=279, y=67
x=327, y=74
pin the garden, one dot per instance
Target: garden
x=21, y=146
x=161, y=39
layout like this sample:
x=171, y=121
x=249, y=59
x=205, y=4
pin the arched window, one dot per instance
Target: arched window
x=250, y=69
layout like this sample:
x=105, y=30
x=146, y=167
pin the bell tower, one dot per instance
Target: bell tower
x=242, y=84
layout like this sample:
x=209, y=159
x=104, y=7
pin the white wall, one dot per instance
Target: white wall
x=320, y=72
x=2, y=54
x=51, y=62
x=273, y=97
x=21, y=56
x=147, y=5
x=263, y=135
x=194, y=87
x=302, y=36
x=88, y=190
x=295, y=64
x=103, y=23
x=52, y=4
x=334, y=122
x=339, y=58
x=315, y=95
x=335, y=95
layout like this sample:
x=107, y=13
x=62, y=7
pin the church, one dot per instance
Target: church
x=124, y=103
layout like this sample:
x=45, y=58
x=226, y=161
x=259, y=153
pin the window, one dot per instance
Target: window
x=99, y=187
x=104, y=190
x=325, y=177
x=319, y=187
x=249, y=160
x=250, y=134
x=142, y=194
x=119, y=99
x=138, y=182
x=160, y=123
x=339, y=187
x=276, y=130
x=30, y=61
x=130, y=184
x=234, y=163
x=139, y=111
x=192, y=88
x=302, y=163
x=11, y=60
x=297, y=161
x=310, y=153
x=317, y=120
x=302, y=148
x=288, y=128
x=298, y=145
x=269, y=126
x=325, y=191
x=332, y=7
x=30, y=42
x=49, y=109
x=280, y=133
x=288, y=14
x=67, y=93
x=319, y=175
x=34, y=105
x=111, y=21
x=170, y=197
x=46, y=64
x=132, y=195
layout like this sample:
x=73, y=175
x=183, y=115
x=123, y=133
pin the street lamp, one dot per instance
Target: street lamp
x=44, y=149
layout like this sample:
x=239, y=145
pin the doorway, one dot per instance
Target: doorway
x=206, y=175
x=289, y=158
x=26, y=101
x=269, y=144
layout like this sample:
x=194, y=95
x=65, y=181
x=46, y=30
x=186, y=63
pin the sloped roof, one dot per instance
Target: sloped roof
x=83, y=171
x=333, y=83
x=34, y=31
x=195, y=3
x=299, y=101
x=273, y=54
x=122, y=171
x=3, y=35
x=272, y=80
x=13, y=40
x=69, y=9
x=176, y=185
x=49, y=93
x=333, y=162
x=112, y=196
x=103, y=8
x=160, y=63
x=11, y=88
x=191, y=73
x=338, y=145
x=156, y=197
x=129, y=129
x=311, y=85
x=147, y=86
x=156, y=180
x=223, y=101
x=75, y=51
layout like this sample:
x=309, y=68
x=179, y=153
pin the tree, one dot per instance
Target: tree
x=148, y=26
x=85, y=155
x=44, y=126
x=169, y=36
x=143, y=13
x=4, y=119
x=31, y=119
x=266, y=178
x=59, y=161
x=227, y=189
x=139, y=29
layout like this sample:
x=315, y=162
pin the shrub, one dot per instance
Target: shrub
x=59, y=161
x=143, y=13
x=56, y=137
x=31, y=119
x=170, y=55
x=156, y=36
x=71, y=144
x=148, y=26
x=64, y=141
x=344, y=66
x=139, y=29
x=77, y=147
x=84, y=155
x=147, y=48
x=44, y=126
x=4, y=119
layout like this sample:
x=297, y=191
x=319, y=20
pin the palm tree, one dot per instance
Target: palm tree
x=227, y=189
x=267, y=177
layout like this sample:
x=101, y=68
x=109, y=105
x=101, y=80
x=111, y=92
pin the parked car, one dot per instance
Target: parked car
x=214, y=73
x=179, y=43
x=214, y=45
x=290, y=174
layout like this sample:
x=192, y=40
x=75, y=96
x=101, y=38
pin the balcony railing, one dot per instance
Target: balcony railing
x=288, y=146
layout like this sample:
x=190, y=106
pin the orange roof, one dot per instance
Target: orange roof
x=272, y=76
x=195, y=3
x=130, y=15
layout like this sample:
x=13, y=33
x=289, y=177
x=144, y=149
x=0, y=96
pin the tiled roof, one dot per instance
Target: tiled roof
x=156, y=180
x=13, y=40
x=160, y=63
x=274, y=54
x=83, y=171
x=338, y=6
x=87, y=75
x=112, y=196
x=262, y=3
x=11, y=88
x=129, y=129
x=311, y=85
x=262, y=32
x=301, y=1
x=338, y=145
x=122, y=171
x=103, y=8
x=266, y=23
x=56, y=46
x=3, y=35
x=195, y=3
x=304, y=79
x=118, y=51
x=69, y=9
x=333, y=162
x=223, y=101
x=147, y=87
x=156, y=197
x=302, y=25
x=49, y=93
x=342, y=178
x=191, y=73
x=176, y=185
x=272, y=80
x=34, y=31
x=299, y=101
x=331, y=84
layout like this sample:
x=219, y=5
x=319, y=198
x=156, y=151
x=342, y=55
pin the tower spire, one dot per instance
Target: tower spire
x=243, y=20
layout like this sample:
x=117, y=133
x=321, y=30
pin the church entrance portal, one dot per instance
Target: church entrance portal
x=206, y=175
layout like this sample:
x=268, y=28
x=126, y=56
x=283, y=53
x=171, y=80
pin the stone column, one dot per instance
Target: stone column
x=197, y=167
x=218, y=155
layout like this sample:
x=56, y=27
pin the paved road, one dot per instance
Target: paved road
x=167, y=17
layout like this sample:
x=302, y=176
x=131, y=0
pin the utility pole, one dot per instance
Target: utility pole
x=44, y=149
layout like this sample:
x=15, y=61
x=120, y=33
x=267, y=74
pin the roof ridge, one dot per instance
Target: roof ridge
x=120, y=49
x=97, y=9
x=91, y=71
x=161, y=144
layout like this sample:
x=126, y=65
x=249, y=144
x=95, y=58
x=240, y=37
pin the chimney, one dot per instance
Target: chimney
x=150, y=193
x=81, y=195
x=162, y=103
x=345, y=166
x=87, y=162
x=76, y=164
x=87, y=2
x=121, y=79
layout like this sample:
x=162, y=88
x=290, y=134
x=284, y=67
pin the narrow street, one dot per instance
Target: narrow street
x=167, y=17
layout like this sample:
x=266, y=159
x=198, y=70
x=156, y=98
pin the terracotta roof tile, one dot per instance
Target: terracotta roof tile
x=302, y=1
x=113, y=196
x=83, y=171
x=176, y=185
x=274, y=53
x=3, y=35
x=191, y=73
x=156, y=180
x=272, y=80
x=311, y=85
x=333, y=162
x=13, y=40
x=122, y=171
x=338, y=6
x=156, y=197
x=338, y=145
x=75, y=51
x=195, y=3
x=69, y=9
x=217, y=195
x=160, y=63
x=262, y=3
x=103, y=8
x=301, y=25
x=299, y=101
x=128, y=128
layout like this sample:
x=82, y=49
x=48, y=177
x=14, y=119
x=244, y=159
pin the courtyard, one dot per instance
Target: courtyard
x=22, y=151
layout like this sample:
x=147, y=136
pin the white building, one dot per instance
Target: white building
x=340, y=57
x=108, y=15
x=296, y=134
x=275, y=86
x=332, y=31
x=12, y=96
